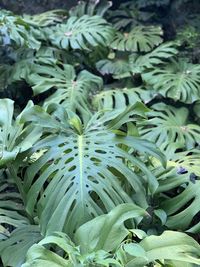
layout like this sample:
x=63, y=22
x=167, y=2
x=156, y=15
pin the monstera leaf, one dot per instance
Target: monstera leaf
x=128, y=15
x=168, y=125
x=90, y=8
x=139, y=63
x=188, y=160
x=11, y=207
x=119, y=98
x=82, y=168
x=46, y=19
x=72, y=91
x=81, y=33
x=15, y=136
x=136, y=63
x=16, y=31
x=13, y=250
x=179, y=190
x=179, y=80
x=119, y=68
x=116, y=98
x=182, y=208
x=139, y=39
x=17, y=235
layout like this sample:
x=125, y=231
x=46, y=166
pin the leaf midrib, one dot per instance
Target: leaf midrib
x=80, y=153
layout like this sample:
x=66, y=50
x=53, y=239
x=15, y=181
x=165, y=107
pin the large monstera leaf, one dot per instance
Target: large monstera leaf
x=15, y=136
x=81, y=33
x=83, y=167
x=72, y=91
x=178, y=80
x=168, y=125
x=139, y=39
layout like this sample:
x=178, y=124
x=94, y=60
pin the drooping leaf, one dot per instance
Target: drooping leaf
x=82, y=166
x=109, y=230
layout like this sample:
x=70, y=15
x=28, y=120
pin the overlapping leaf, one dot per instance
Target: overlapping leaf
x=15, y=137
x=168, y=125
x=82, y=168
x=71, y=91
x=172, y=247
x=179, y=80
x=14, y=30
x=139, y=39
x=81, y=33
x=90, y=8
x=13, y=250
x=95, y=239
x=116, y=98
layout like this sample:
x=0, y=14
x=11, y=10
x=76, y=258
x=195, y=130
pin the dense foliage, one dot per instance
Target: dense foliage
x=99, y=139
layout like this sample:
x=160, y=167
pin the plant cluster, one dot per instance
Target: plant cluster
x=99, y=140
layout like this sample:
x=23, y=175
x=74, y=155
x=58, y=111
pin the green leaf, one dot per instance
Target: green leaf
x=182, y=208
x=170, y=245
x=168, y=125
x=78, y=168
x=81, y=33
x=16, y=31
x=139, y=39
x=45, y=19
x=178, y=80
x=117, y=98
x=139, y=63
x=134, y=250
x=15, y=137
x=119, y=68
x=107, y=231
x=90, y=8
x=72, y=91
x=13, y=250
